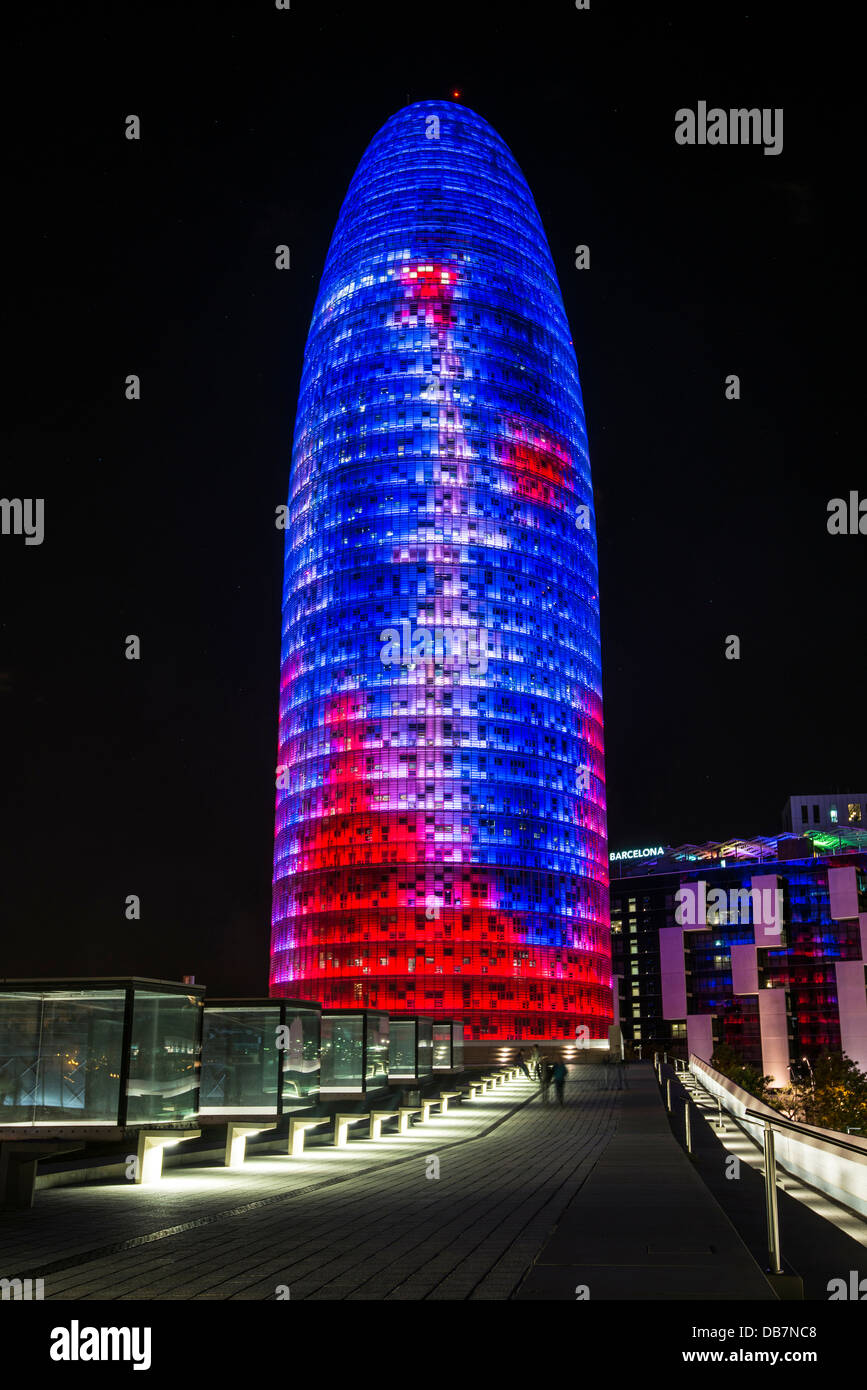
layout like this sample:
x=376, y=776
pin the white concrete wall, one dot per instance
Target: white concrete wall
x=812, y=1155
x=852, y=1006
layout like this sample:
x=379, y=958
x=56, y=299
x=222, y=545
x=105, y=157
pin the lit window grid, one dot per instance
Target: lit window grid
x=440, y=458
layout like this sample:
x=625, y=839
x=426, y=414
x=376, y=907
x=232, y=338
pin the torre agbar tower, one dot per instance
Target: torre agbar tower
x=440, y=842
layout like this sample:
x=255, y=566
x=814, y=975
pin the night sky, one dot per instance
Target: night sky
x=156, y=257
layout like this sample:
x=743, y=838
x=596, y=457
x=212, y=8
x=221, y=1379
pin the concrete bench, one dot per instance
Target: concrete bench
x=378, y=1119
x=492, y=1080
x=18, y=1163
x=237, y=1135
x=406, y=1112
x=426, y=1107
x=475, y=1088
x=446, y=1096
x=298, y=1127
x=341, y=1127
x=151, y=1145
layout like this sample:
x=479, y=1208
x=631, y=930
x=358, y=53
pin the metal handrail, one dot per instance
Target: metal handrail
x=806, y=1131
x=772, y=1120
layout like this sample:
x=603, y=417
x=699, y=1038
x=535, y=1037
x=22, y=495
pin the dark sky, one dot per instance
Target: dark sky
x=156, y=777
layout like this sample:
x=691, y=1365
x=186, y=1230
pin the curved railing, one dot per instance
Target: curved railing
x=834, y=1163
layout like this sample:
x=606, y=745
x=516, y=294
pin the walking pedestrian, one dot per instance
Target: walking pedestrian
x=560, y=1072
x=522, y=1064
x=545, y=1078
x=535, y=1060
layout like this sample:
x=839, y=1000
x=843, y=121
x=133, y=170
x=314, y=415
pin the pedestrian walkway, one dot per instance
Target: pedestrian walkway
x=643, y=1225
x=481, y=1203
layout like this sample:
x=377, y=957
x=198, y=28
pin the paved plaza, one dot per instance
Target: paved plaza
x=503, y=1197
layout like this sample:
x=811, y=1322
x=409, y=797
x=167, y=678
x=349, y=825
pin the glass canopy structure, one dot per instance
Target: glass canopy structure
x=99, y=1052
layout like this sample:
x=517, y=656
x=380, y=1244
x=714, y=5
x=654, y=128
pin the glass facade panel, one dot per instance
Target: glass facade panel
x=342, y=1053
x=410, y=1048
x=442, y=1046
x=457, y=1046
x=440, y=824
x=164, y=1058
x=401, y=1049
x=377, y=1051
x=425, y=1046
x=247, y=1048
x=240, y=1059
x=301, y=1058
x=60, y=1056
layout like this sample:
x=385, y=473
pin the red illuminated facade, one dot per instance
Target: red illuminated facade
x=440, y=840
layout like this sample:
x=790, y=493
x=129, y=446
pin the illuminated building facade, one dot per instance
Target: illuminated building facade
x=700, y=959
x=440, y=843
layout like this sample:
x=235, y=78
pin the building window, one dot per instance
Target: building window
x=803, y=815
x=815, y=814
x=833, y=815
x=854, y=812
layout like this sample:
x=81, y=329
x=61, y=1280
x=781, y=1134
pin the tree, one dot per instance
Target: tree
x=789, y=1100
x=751, y=1080
x=838, y=1097
x=726, y=1060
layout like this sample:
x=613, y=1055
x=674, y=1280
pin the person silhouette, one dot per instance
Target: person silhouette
x=545, y=1073
x=560, y=1072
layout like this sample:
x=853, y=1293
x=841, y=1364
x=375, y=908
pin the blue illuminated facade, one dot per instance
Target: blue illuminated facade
x=440, y=842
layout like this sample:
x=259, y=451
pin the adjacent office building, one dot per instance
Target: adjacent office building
x=758, y=943
x=828, y=813
x=440, y=844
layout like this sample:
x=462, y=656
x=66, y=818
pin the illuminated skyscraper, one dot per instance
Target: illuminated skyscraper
x=440, y=837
